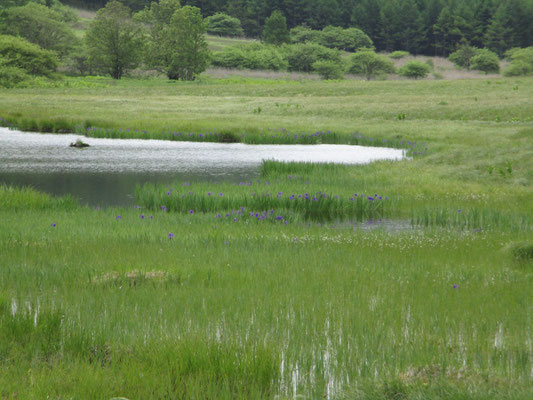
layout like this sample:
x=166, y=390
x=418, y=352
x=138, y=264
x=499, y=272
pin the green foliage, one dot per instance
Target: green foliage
x=253, y=56
x=486, y=61
x=114, y=41
x=275, y=30
x=521, y=62
x=19, y=53
x=463, y=55
x=415, y=69
x=370, y=64
x=190, y=55
x=224, y=25
x=302, y=56
x=40, y=25
x=328, y=69
x=304, y=34
x=162, y=42
x=350, y=39
x=13, y=76
x=399, y=54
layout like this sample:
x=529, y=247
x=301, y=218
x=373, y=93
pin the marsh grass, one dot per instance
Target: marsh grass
x=188, y=305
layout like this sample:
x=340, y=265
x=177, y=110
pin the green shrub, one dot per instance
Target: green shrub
x=253, y=56
x=11, y=77
x=39, y=25
x=351, y=39
x=304, y=34
x=521, y=62
x=19, y=53
x=224, y=25
x=399, y=54
x=370, y=64
x=462, y=57
x=486, y=61
x=415, y=69
x=429, y=62
x=302, y=56
x=328, y=69
x=275, y=29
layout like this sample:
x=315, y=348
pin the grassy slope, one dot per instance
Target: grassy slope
x=370, y=314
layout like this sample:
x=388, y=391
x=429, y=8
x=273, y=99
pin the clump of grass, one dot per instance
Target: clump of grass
x=13, y=198
x=521, y=253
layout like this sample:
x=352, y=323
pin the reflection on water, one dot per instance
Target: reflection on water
x=106, y=173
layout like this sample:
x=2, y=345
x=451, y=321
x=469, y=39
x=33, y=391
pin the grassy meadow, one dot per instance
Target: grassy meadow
x=393, y=280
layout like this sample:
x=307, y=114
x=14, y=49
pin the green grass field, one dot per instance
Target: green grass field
x=161, y=302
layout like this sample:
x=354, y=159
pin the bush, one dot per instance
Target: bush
x=328, y=69
x=39, y=25
x=304, y=34
x=370, y=64
x=396, y=55
x=486, y=61
x=254, y=56
x=302, y=56
x=521, y=62
x=415, y=69
x=351, y=39
x=223, y=25
x=12, y=76
x=19, y=53
x=462, y=57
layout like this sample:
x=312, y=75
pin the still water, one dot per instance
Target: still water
x=107, y=172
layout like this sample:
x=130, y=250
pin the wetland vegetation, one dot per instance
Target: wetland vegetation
x=188, y=295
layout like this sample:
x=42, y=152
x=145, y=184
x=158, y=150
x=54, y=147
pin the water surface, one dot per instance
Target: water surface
x=106, y=172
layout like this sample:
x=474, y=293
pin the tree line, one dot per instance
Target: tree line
x=429, y=27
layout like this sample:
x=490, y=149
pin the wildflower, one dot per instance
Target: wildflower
x=142, y=216
x=209, y=193
x=235, y=219
x=221, y=194
x=171, y=235
x=370, y=198
x=455, y=286
x=151, y=217
x=219, y=216
x=168, y=193
x=191, y=211
x=118, y=217
x=53, y=224
x=163, y=208
x=458, y=211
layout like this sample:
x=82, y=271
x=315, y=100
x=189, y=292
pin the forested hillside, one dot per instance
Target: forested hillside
x=431, y=27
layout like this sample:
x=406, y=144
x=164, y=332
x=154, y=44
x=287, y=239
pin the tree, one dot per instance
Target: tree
x=370, y=64
x=275, y=29
x=114, y=40
x=40, y=25
x=350, y=39
x=447, y=32
x=415, y=69
x=191, y=55
x=224, y=25
x=162, y=43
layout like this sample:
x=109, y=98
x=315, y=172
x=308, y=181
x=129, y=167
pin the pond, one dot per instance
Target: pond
x=107, y=172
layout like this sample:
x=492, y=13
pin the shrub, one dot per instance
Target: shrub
x=224, y=25
x=328, y=69
x=253, y=56
x=351, y=39
x=521, y=62
x=302, y=56
x=462, y=57
x=486, y=61
x=415, y=69
x=12, y=76
x=39, y=25
x=396, y=55
x=304, y=34
x=370, y=64
x=19, y=53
